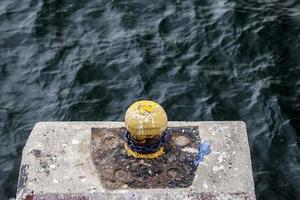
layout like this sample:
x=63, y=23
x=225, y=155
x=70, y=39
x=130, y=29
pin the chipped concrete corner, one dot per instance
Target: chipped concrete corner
x=58, y=163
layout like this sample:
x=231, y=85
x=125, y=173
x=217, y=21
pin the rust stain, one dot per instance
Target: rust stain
x=29, y=197
x=175, y=169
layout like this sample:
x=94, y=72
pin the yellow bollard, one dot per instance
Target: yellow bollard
x=145, y=121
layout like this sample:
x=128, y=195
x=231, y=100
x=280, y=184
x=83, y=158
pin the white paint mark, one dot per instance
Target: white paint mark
x=205, y=186
x=53, y=158
x=222, y=157
x=52, y=166
x=92, y=190
x=190, y=150
x=75, y=142
x=215, y=169
x=218, y=168
x=55, y=181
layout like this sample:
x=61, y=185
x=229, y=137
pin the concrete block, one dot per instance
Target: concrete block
x=57, y=163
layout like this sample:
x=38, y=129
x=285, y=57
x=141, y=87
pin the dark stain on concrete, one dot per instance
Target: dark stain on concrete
x=44, y=165
x=163, y=196
x=215, y=196
x=23, y=177
x=60, y=197
x=37, y=153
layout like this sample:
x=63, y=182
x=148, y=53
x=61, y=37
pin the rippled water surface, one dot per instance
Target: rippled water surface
x=201, y=59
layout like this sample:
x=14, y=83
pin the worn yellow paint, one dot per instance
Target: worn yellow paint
x=154, y=155
x=145, y=119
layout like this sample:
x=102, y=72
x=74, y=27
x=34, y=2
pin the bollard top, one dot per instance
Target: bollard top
x=145, y=120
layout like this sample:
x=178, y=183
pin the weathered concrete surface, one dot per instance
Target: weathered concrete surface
x=57, y=164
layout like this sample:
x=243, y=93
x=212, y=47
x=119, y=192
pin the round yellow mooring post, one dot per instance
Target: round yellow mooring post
x=145, y=121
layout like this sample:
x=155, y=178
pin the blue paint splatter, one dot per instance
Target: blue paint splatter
x=204, y=149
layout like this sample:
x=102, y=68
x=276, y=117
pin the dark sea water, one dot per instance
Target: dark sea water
x=67, y=60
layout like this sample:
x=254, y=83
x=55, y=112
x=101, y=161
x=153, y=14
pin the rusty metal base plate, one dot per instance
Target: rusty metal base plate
x=175, y=169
